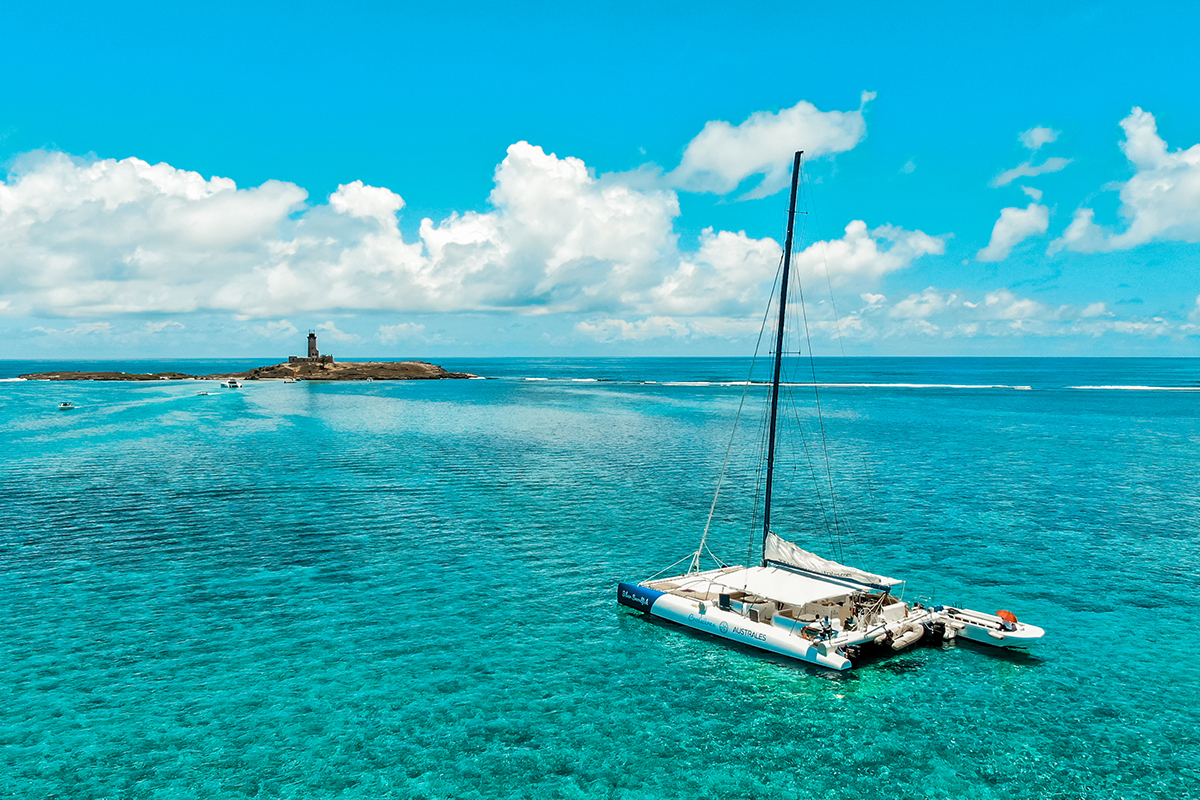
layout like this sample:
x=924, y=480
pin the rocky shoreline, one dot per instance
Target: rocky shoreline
x=325, y=371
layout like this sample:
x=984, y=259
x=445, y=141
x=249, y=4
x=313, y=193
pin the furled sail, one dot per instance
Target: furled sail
x=777, y=549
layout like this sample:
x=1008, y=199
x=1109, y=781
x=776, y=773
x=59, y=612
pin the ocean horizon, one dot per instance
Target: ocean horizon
x=407, y=588
x=1044, y=369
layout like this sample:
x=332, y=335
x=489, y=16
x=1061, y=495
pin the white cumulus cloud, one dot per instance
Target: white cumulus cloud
x=1161, y=202
x=661, y=327
x=79, y=329
x=725, y=275
x=389, y=334
x=1014, y=226
x=276, y=329
x=932, y=313
x=103, y=238
x=729, y=273
x=922, y=305
x=1030, y=170
x=108, y=237
x=999, y=313
x=159, y=327
x=331, y=330
x=723, y=155
x=368, y=202
x=862, y=254
x=1034, y=138
x=608, y=330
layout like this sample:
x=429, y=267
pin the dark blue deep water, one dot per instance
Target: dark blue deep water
x=407, y=589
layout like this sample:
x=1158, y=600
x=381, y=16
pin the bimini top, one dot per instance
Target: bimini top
x=789, y=575
x=771, y=583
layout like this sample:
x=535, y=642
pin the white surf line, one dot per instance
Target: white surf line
x=619, y=382
x=916, y=386
x=858, y=385
x=1141, y=388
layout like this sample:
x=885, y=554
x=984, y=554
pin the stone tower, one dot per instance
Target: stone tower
x=314, y=355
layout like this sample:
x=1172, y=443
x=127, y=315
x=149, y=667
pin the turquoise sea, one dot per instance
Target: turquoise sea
x=408, y=589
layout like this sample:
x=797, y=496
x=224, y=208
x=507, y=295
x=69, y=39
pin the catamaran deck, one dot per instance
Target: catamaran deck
x=774, y=583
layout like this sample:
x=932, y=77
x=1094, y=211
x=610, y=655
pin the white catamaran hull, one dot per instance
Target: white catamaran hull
x=728, y=625
x=903, y=627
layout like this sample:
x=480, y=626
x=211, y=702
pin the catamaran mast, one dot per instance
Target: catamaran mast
x=787, y=263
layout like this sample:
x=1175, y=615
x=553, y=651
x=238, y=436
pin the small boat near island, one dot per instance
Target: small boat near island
x=231, y=383
x=796, y=603
x=67, y=406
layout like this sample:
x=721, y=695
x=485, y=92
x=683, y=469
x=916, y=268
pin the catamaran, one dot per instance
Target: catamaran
x=796, y=603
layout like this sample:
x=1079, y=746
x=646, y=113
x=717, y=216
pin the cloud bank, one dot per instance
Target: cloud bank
x=97, y=240
x=931, y=314
x=100, y=238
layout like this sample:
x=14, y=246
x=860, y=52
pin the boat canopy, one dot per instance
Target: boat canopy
x=771, y=583
x=783, y=551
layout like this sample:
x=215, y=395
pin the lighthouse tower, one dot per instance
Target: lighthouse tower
x=314, y=355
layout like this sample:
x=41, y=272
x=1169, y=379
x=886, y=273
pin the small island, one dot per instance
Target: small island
x=313, y=367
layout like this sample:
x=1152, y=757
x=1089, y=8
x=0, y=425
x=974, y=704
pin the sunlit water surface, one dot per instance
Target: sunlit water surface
x=407, y=589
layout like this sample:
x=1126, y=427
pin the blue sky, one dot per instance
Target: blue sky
x=604, y=179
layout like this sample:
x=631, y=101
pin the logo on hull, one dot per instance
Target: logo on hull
x=638, y=597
